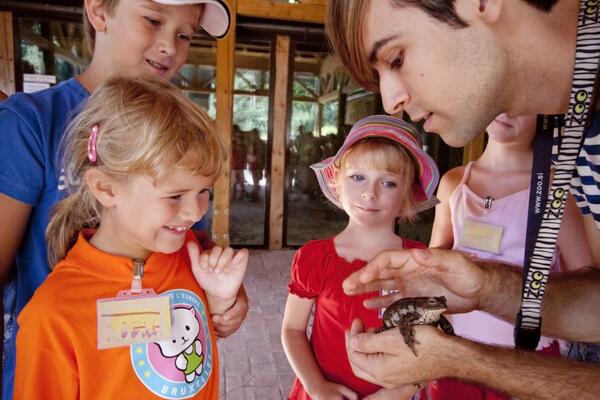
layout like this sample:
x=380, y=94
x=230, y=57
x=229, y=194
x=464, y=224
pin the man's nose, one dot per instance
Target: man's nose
x=394, y=93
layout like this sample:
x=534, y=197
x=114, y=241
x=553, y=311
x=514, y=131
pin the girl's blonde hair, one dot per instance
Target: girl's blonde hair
x=89, y=33
x=385, y=155
x=146, y=127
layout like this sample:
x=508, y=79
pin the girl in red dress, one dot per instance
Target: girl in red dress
x=380, y=173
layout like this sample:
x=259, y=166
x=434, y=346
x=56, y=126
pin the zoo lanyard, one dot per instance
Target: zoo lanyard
x=540, y=244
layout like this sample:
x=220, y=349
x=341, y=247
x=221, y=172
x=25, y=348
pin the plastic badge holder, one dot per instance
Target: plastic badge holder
x=132, y=318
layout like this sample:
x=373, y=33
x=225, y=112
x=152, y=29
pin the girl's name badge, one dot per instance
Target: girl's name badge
x=132, y=318
x=481, y=236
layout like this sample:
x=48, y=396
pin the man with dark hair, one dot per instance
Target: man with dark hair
x=456, y=65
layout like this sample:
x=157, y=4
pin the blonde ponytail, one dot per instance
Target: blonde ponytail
x=77, y=211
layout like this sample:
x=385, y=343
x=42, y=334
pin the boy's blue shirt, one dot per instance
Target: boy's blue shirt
x=31, y=128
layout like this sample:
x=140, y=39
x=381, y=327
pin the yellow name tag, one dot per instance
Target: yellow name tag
x=481, y=236
x=130, y=319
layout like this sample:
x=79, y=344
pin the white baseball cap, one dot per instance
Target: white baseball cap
x=215, y=17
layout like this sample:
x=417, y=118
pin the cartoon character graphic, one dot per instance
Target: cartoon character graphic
x=184, y=346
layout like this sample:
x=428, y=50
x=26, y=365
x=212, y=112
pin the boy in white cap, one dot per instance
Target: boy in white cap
x=127, y=37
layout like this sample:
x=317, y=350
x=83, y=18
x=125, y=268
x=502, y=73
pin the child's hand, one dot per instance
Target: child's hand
x=230, y=321
x=219, y=271
x=333, y=391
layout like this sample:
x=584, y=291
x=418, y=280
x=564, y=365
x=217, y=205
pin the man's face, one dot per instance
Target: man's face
x=452, y=78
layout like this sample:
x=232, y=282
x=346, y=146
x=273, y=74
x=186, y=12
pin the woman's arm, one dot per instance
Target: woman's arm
x=441, y=234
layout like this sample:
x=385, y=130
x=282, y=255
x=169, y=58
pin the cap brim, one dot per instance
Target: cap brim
x=215, y=18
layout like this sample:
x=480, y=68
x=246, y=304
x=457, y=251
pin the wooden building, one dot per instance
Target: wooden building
x=279, y=98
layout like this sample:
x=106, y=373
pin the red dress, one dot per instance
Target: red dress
x=317, y=273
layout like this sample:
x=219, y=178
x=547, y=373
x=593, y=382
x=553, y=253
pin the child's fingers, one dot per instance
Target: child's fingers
x=194, y=253
x=213, y=256
x=224, y=259
x=241, y=256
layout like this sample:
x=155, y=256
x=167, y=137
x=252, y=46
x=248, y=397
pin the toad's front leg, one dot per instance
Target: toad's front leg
x=446, y=326
x=408, y=334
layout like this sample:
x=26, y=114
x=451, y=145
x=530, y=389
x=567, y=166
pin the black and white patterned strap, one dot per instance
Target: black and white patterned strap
x=540, y=250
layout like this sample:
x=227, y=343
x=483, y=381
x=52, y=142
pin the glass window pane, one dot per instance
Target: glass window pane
x=249, y=153
x=52, y=48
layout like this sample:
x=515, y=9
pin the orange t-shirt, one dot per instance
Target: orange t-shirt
x=57, y=355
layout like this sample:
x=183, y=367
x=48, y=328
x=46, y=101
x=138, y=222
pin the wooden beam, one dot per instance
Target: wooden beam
x=310, y=12
x=474, y=149
x=225, y=69
x=7, y=54
x=280, y=112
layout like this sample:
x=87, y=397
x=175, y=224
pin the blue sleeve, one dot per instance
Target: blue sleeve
x=22, y=159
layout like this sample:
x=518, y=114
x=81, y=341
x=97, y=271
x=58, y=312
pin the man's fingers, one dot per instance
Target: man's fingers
x=382, y=267
x=371, y=343
x=382, y=301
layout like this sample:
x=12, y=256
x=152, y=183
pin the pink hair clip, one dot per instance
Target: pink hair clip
x=92, y=144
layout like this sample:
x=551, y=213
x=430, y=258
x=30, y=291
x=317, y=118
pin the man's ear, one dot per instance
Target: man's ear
x=96, y=13
x=488, y=11
x=101, y=186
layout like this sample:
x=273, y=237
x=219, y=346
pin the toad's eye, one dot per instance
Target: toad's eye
x=432, y=301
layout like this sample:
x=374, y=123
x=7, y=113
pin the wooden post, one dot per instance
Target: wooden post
x=474, y=149
x=280, y=113
x=7, y=54
x=225, y=70
x=308, y=11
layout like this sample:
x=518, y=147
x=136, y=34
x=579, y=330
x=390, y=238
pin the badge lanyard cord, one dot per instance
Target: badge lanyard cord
x=543, y=224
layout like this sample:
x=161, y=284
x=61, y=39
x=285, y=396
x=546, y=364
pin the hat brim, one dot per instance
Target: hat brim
x=215, y=18
x=399, y=131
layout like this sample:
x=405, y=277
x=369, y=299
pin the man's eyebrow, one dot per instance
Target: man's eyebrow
x=378, y=45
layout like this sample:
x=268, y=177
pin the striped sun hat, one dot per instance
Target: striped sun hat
x=399, y=131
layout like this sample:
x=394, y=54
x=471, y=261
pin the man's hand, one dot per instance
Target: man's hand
x=230, y=321
x=384, y=359
x=421, y=272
